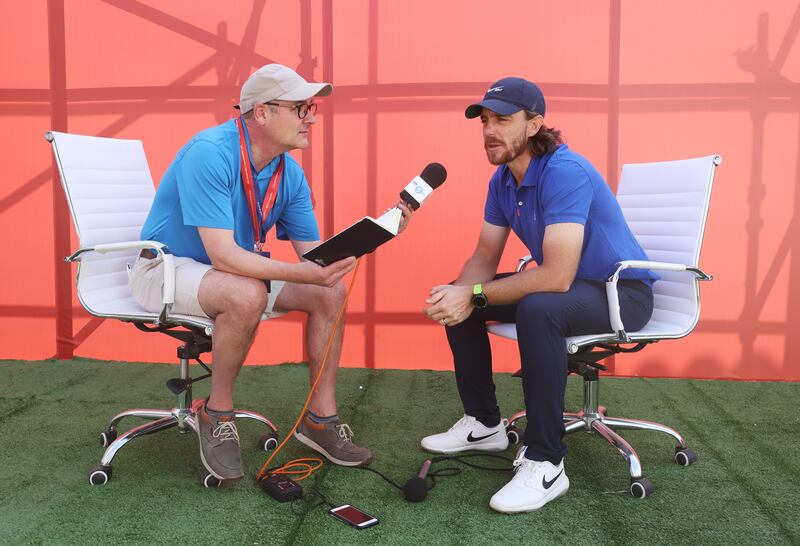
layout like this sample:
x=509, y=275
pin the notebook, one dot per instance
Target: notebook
x=361, y=238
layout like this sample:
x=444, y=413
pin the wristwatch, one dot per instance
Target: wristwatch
x=479, y=299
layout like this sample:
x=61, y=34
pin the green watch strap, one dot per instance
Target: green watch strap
x=477, y=289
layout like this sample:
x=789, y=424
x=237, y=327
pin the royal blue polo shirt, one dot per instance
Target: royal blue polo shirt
x=203, y=188
x=564, y=187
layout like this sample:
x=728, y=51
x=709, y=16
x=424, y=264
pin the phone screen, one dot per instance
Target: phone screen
x=354, y=516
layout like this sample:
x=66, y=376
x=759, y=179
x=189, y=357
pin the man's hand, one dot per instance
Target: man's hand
x=449, y=304
x=311, y=273
x=407, y=212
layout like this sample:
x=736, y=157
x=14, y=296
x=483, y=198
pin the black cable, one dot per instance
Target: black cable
x=460, y=459
x=389, y=480
x=448, y=471
x=314, y=492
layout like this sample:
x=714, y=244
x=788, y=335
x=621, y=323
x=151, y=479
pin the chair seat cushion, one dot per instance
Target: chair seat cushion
x=652, y=331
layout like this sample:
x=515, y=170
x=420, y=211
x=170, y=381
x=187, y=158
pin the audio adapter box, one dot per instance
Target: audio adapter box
x=282, y=488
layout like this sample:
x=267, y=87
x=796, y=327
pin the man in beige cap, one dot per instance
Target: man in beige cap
x=214, y=215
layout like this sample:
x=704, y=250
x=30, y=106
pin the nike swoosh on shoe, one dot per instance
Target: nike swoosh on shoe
x=547, y=484
x=471, y=438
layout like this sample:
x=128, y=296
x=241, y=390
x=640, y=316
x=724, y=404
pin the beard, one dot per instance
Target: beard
x=511, y=151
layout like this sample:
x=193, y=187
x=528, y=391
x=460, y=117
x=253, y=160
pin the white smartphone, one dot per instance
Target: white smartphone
x=353, y=516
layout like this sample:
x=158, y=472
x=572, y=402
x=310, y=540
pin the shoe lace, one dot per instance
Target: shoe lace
x=226, y=430
x=523, y=464
x=464, y=422
x=345, y=432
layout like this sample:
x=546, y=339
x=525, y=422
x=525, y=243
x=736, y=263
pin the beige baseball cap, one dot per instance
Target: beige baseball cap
x=278, y=82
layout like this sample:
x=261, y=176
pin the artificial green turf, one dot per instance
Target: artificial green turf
x=744, y=489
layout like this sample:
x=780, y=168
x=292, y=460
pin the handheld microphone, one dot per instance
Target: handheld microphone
x=416, y=489
x=423, y=185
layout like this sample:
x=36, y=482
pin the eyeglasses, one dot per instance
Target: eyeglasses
x=302, y=109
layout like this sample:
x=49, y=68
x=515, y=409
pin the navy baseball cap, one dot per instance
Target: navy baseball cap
x=508, y=96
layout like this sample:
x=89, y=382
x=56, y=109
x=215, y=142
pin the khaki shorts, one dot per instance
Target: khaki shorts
x=147, y=284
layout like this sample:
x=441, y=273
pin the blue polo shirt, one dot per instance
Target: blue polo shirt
x=203, y=188
x=565, y=187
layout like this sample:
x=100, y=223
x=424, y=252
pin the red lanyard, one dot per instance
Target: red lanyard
x=250, y=192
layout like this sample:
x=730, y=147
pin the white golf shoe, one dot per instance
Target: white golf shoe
x=535, y=483
x=468, y=434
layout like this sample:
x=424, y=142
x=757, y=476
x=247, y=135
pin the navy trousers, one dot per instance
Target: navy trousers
x=544, y=320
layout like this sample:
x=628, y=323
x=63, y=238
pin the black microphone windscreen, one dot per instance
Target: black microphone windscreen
x=416, y=489
x=434, y=175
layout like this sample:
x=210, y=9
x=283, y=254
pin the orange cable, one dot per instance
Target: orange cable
x=298, y=462
x=304, y=469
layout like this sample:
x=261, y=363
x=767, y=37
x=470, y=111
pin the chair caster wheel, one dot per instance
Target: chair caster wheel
x=210, y=481
x=268, y=442
x=108, y=436
x=641, y=488
x=99, y=475
x=685, y=456
x=515, y=435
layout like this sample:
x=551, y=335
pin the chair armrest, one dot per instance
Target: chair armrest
x=523, y=263
x=613, y=295
x=117, y=247
x=664, y=266
x=160, y=248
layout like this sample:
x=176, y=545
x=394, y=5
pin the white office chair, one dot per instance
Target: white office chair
x=665, y=205
x=109, y=190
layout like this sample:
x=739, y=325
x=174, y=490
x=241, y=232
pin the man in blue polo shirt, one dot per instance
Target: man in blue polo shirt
x=557, y=203
x=227, y=187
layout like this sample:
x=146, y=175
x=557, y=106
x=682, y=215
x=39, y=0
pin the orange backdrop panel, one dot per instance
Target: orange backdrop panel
x=621, y=84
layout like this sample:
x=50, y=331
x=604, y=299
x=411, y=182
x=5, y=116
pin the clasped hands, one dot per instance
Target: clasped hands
x=449, y=304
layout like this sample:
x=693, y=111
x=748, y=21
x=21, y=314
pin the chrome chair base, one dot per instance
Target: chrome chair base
x=183, y=416
x=592, y=418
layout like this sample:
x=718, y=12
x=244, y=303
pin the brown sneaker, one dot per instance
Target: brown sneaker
x=219, y=445
x=334, y=440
